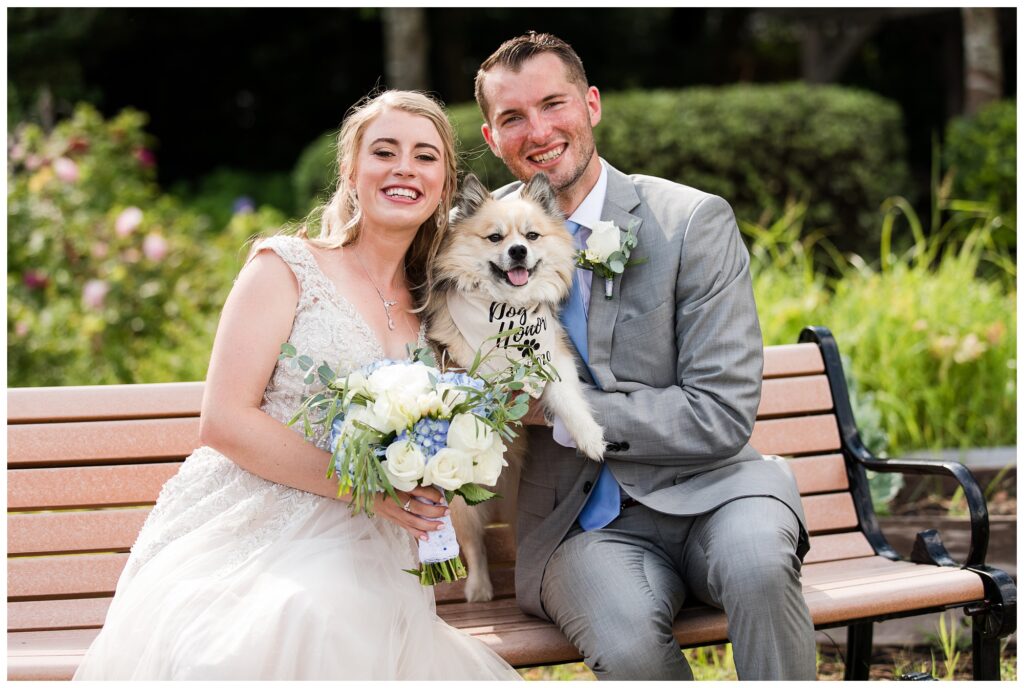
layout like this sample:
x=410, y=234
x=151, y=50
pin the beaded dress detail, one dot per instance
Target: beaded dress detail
x=236, y=577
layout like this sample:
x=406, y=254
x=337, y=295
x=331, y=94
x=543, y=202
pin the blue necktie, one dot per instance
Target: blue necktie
x=604, y=502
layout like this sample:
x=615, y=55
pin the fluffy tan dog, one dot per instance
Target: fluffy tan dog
x=505, y=266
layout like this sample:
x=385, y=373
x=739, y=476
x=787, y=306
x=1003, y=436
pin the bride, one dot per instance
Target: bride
x=250, y=566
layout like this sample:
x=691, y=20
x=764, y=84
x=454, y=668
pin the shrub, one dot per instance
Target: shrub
x=929, y=340
x=981, y=155
x=839, y=150
x=225, y=192
x=108, y=280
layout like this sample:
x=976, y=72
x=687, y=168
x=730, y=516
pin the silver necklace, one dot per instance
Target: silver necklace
x=388, y=304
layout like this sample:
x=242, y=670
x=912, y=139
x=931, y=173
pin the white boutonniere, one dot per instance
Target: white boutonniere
x=607, y=252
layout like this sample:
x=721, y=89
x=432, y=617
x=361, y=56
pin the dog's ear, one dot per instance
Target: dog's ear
x=540, y=190
x=472, y=195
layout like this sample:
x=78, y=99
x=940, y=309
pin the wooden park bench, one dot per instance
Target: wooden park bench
x=85, y=464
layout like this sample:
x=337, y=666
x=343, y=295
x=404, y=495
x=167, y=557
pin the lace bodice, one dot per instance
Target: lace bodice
x=328, y=328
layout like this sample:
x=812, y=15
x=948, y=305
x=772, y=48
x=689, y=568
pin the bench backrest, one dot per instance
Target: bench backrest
x=85, y=465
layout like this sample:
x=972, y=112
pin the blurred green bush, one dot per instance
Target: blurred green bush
x=225, y=192
x=839, y=150
x=108, y=279
x=980, y=155
x=931, y=344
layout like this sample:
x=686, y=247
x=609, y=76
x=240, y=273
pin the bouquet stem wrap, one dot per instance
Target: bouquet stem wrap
x=439, y=553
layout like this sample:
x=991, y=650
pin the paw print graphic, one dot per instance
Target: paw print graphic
x=528, y=345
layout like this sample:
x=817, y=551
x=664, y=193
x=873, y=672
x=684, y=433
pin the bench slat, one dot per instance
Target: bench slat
x=828, y=513
x=788, y=360
x=44, y=615
x=84, y=486
x=841, y=546
x=790, y=396
x=71, y=531
x=826, y=473
x=72, y=574
x=135, y=441
x=106, y=402
x=802, y=435
x=873, y=586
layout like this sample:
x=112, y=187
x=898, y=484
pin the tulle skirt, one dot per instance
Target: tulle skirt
x=237, y=578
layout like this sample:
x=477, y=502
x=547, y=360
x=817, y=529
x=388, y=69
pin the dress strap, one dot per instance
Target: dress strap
x=313, y=284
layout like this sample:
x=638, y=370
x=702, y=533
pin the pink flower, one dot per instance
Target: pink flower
x=33, y=161
x=21, y=328
x=66, y=169
x=17, y=152
x=94, y=293
x=78, y=145
x=145, y=157
x=131, y=255
x=128, y=221
x=154, y=247
x=34, y=279
x=99, y=250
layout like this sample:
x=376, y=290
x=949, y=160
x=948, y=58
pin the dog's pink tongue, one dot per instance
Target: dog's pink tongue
x=518, y=276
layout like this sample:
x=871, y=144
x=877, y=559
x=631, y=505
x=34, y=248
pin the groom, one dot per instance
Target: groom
x=682, y=507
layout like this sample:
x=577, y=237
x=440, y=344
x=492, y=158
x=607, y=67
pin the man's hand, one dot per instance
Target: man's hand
x=535, y=416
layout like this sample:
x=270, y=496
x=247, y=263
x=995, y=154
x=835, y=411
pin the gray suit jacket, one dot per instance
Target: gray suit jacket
x=678, y=356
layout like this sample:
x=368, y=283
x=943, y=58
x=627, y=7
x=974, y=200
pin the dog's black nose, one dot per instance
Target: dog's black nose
x=517, y=252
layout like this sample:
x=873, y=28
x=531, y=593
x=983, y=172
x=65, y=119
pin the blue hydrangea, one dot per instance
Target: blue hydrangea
x=462, y=380
x=429, y=434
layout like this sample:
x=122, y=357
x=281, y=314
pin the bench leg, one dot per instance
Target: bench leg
x=858, y=651
x=985, y=653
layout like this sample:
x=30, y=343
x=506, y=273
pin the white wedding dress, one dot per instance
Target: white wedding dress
x=235, y=577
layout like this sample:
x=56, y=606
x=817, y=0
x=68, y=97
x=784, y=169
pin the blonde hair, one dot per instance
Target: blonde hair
x=340, y=217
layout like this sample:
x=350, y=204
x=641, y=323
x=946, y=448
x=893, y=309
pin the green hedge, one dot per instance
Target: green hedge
x=981, y=154
x=839, y=150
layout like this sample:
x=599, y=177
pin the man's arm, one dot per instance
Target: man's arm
x=709, y=414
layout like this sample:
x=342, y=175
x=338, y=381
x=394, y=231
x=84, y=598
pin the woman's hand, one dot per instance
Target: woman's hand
x=413, y=520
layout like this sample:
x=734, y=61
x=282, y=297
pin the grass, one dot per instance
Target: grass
x=948, y=658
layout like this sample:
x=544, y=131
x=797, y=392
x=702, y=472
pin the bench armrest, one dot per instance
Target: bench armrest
x=972, y=492
x=858, y=456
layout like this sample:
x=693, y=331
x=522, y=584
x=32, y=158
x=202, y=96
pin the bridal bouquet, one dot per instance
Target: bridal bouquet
x=398, y=424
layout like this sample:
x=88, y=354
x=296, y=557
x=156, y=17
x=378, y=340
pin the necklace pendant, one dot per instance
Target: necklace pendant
x=387, y=312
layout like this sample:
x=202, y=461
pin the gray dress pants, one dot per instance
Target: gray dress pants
x=615, y=591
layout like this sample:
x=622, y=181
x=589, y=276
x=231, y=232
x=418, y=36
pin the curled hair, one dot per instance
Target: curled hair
x=341, y=216
x=514, y=52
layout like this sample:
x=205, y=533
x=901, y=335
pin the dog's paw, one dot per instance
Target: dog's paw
x=478, y=587
x=592, y=443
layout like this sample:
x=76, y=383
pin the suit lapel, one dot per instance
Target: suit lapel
x=620, y=200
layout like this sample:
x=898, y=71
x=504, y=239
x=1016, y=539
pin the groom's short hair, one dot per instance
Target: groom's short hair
x=514, y=52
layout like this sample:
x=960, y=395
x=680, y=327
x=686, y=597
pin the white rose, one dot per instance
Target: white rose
x=363, y=414
x=412, y=378
x=469, y=433
x=603, y=241
x=450, y=397
x=487, y=465
x=394, y=411
x=404, y=465
x=430, y=404
x=449, y=469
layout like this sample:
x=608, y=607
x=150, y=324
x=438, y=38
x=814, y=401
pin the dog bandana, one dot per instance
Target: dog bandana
x=478, y=317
